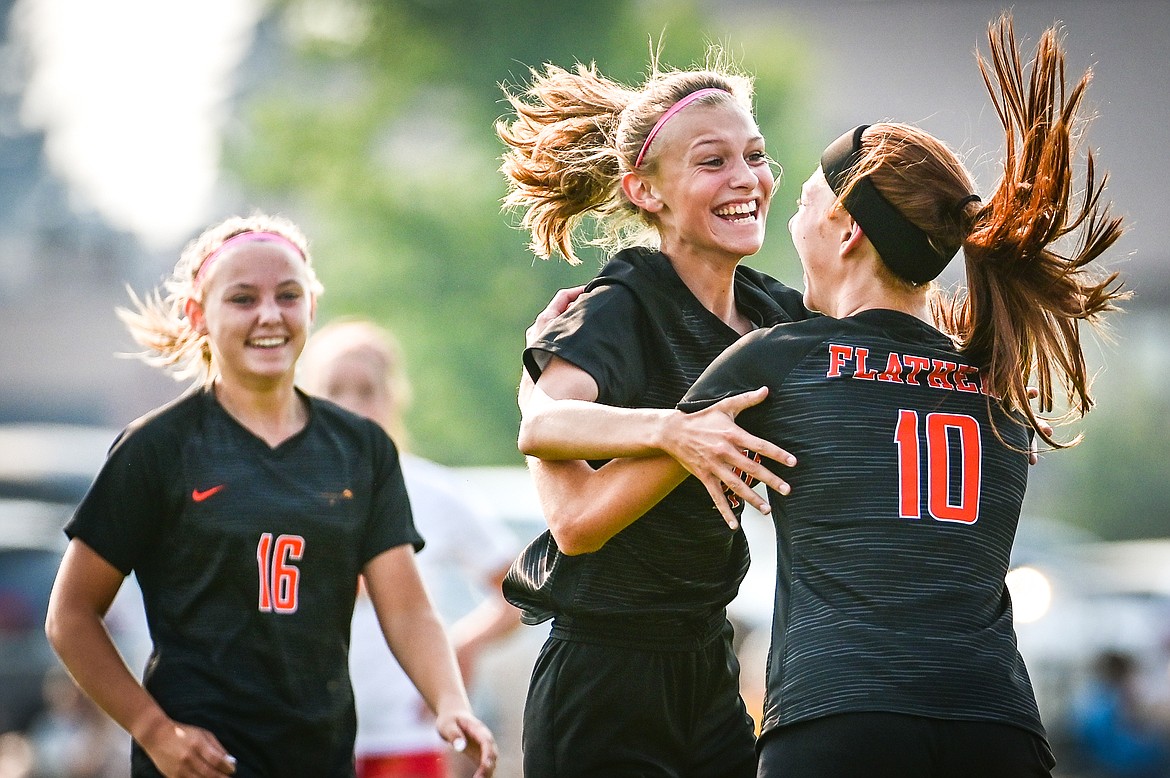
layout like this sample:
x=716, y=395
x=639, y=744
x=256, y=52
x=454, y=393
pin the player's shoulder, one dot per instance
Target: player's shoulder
x=759, y=287
x=790, y=336
x=613, y=294
x=766, y=354
x=640, y=277
x=626, y=278
x=165, y=425
x=178, y=411
x=612, y=309
x=631, y=266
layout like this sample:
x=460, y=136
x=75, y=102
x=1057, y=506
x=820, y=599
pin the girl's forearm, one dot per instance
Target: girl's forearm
x=89, y=654
x=575, y=429
x=584, y=507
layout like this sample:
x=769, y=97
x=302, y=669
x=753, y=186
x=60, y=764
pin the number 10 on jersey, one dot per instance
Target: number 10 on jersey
x=947, y=435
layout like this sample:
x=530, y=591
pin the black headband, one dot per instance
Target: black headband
x=902, y=245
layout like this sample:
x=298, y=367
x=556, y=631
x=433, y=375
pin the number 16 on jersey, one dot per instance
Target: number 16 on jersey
x=280, y=580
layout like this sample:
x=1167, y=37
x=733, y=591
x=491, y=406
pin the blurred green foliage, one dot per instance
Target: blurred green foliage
x=1116, y=483
x=372, y=123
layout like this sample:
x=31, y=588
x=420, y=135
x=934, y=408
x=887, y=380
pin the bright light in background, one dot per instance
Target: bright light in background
x=1031, y=594
x=132, y=96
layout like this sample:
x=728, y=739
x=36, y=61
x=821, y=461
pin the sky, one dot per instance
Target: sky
x=132, y=96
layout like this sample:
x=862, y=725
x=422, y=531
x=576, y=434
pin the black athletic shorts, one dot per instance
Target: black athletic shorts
x=637, y=703
x=892, y=745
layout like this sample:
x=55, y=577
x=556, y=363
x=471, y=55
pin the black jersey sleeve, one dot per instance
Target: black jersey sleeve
x=601, y=334
x=130, y=499
x=391, y=522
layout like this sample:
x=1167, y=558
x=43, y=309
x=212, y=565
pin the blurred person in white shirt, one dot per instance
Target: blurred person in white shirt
x=358, y=365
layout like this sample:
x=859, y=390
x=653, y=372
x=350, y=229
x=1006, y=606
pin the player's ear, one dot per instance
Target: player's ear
x=194, y=312
x=853, y=239
x=640, y=191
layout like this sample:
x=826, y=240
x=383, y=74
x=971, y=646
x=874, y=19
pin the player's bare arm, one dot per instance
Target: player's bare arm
x=85, y=586
x=416, y=636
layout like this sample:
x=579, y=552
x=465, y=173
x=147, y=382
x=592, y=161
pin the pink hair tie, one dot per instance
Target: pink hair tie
x=670, y=112
x=245, y=237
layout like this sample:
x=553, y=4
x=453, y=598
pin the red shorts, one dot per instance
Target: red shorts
x=425, y=764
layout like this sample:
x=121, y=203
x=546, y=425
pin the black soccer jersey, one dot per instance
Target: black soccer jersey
x=248, y=558
x=644, y=338
x=894, y=543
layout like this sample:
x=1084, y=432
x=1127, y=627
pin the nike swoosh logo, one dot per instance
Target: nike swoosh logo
x=200, y=496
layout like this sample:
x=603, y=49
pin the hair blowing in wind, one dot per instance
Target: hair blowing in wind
x=1026, y=296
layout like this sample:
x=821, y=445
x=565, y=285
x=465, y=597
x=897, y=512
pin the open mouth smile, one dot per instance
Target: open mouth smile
x=738, y=212
x=269, y=342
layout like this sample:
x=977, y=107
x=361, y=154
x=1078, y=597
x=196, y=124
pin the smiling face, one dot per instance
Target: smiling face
x=710, y=191
x=256, y=309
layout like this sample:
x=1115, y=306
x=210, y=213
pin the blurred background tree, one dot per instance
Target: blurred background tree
x=1116, y=483
x=391, y=162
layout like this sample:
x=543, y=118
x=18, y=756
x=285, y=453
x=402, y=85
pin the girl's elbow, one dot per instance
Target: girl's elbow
x=575, y=546
x=65, y=621
x=573, y=539
x=525, y=440
x=537, y=437
x=55, y=629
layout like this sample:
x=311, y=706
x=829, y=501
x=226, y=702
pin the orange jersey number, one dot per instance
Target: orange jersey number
x=279, y=578
x=941, y=429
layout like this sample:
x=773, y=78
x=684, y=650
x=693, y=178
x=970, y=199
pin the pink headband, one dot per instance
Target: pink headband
x=670, y=112
x=244, y=237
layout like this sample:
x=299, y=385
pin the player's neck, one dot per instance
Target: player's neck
x=274, y=415
x=862, y=291
x=712, y=282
